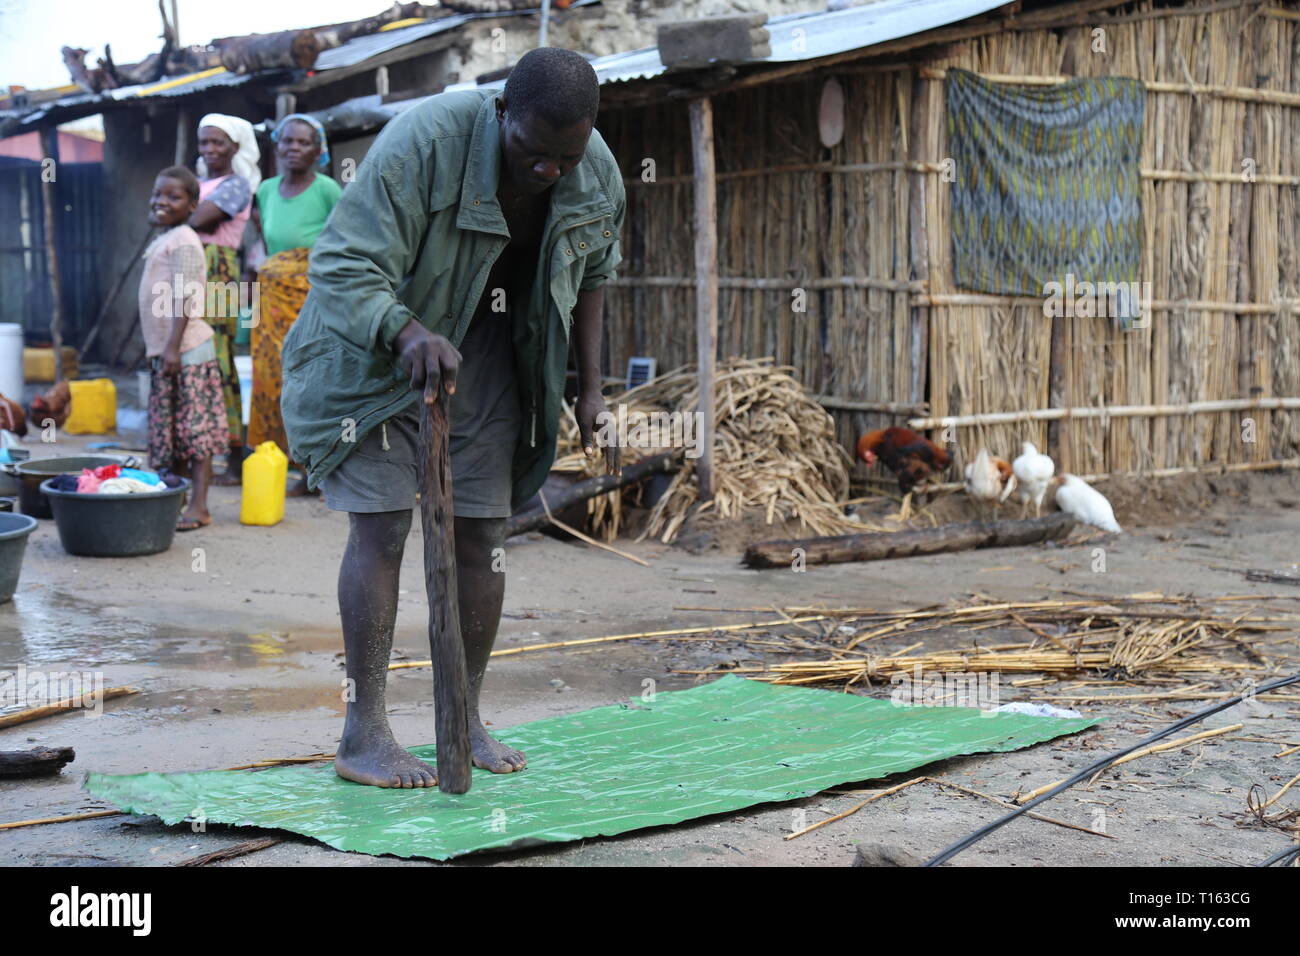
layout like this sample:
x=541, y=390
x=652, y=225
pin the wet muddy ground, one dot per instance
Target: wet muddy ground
x=235, y=649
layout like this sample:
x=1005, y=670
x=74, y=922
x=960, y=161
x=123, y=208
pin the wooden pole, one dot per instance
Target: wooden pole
x=881, y=408
x=117, y=287
x=1103, y=411
x=450, y=685
x=917, y=236
x=1283, y=464
x=183, y=119
x=706, y=281
x=1058, y=362
x=284, y=105
x=1242, y=93
x=49, y=175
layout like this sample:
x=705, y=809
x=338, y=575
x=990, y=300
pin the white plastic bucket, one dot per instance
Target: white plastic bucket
x=244, y=369
x=11, y=361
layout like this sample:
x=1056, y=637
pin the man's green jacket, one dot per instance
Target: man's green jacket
x=415, y=236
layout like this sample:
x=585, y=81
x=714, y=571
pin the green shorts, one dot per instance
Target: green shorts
x=485, y=424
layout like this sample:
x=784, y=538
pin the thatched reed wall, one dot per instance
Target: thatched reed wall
x=863, y=229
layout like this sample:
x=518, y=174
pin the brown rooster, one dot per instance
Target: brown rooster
x=56, y=403
x=912, y=458
x=12, y=417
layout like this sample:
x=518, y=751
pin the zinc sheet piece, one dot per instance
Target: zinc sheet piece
x=712, y=749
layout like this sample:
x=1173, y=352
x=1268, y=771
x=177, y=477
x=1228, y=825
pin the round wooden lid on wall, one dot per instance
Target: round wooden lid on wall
x=830, y=113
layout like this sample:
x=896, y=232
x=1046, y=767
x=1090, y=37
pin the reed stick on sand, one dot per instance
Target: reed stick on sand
x=591, y=541
x=640, y=635
x=68, y=819
x=853, y=810
x=67, y=705
x=1144, y=752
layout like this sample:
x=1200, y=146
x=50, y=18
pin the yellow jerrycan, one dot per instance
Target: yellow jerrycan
x=264, y=475
x=94, y=407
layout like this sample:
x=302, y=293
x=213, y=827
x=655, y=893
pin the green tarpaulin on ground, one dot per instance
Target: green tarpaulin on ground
x=723, y=746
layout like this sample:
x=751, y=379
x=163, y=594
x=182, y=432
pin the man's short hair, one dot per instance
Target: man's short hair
x=558, y=85
x=184, y=177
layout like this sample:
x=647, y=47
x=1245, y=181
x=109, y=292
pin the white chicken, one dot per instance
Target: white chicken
x=989, y=480
x=1078, y=498
x=1034, y=471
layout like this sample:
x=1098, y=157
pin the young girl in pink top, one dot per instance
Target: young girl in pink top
x=187, y=422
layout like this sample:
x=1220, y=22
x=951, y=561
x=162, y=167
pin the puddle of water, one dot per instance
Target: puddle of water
x=44, y=627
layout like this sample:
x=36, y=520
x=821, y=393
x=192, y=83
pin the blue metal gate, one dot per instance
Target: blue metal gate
x=24, y=281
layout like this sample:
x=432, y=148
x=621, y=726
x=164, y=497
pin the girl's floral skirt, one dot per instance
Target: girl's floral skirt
x=187, y=414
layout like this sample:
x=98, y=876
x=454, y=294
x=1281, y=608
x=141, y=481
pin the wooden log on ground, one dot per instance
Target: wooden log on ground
x=530, y=520
x=839, y=549
x=37, y=762
x=450, y=684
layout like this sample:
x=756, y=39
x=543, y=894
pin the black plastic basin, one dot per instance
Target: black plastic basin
x=116, y=526
x=14, y=530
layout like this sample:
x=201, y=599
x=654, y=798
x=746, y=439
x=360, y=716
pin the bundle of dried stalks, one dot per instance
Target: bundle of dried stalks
x=775, y=452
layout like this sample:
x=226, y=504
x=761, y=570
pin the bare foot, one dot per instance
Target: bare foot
x=491, y=754
x=227, y=479
x=383, y=764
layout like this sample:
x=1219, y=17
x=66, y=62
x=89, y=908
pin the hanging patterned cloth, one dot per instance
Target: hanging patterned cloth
x=1047, y=186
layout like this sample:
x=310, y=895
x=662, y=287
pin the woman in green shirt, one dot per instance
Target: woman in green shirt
x=290, y=211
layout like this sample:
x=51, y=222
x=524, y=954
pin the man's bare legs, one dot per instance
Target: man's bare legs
x=368, y=578
x=480, y=543
x=368, y=587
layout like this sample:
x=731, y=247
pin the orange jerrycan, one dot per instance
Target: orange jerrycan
x=264, y=474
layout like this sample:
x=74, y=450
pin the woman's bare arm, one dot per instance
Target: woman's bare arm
x=207, y=217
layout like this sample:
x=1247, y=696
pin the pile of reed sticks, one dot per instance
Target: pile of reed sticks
x=775, y=454
x=1141, y=637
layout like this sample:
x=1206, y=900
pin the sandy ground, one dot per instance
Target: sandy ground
x=239, y=661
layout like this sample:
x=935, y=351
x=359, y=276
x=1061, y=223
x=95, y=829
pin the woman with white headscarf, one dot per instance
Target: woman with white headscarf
x=228, y=176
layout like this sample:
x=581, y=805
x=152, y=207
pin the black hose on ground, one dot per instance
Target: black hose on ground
x=1282, y=856
x=1102, y=764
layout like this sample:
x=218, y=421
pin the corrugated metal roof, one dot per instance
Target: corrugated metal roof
x=91, y=102
x=800, y=36
x=185, y=85
x=351, y=53
x=809, y=36
x=363, y=48
x=812, y=35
